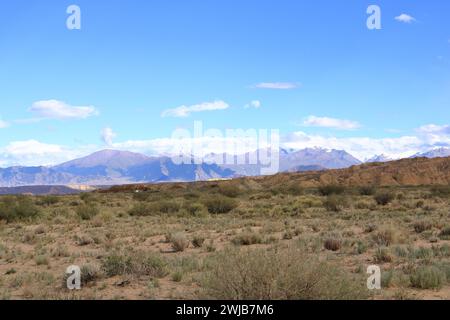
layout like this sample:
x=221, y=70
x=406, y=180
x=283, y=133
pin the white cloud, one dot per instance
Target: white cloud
x=54, y=109
x=277, y=85
x=254, y=104
x=3, y=124
x=185, y=111
x=405, y=18
x=326, y=122
x=35, y=153
x=108, y=135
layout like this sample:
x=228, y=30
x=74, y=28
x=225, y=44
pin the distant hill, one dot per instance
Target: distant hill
x=39, y=190
x=405, y=172
x=435, y=153
x=112, y=167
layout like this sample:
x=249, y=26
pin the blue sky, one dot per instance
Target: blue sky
x=311, y=69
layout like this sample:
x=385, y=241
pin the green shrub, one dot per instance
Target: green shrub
x=382, y=255
x=87, y=211
x=17, y=208
x=384, y=198
x=195, y=209
x=140, y=209
x=49, y=200
x=134, y=263
x=427, y=277
x=366, y=190
x=441, y=191
x=445, y=233
x=255, y=275
x=141, y=196
x=335, y=203
x=421, y=226
x=331, y=189
x=229, y=190
x=247, y=239
x=167, y=206
x=220, y=205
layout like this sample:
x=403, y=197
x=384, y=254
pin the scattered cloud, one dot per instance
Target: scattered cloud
x=405, y=18
x=277, y=85
x=256, y=104
x=108, y=135
x=185, y=111
x=35, y=153
x=326, y=122
x=3, y=124
x=32, y=152
x=54, y=109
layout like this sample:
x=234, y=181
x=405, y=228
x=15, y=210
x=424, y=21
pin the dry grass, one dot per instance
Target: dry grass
x=225, y=240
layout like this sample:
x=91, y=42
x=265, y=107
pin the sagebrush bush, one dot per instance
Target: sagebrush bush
x=383, y=255
x=421, y=226
x=333, y=244
x=384, y=198
x=255, y=275
x=49, y=200
x=135, y=263
x=385, y=236
x=427, y=277
x=87, y=211
x=17, y=208
x=220, y=204
x=230, y=190
x=366, y=190
x=335, y=203
x=331, y=189
x=179, y=242
x=247, y=239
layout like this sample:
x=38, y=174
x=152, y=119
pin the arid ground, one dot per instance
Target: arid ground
x=239, y=239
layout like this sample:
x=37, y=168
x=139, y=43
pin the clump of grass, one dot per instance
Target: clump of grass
x=382, y=255
x=140, y=209
x=195, y=209
x=220, y=204
x=255, y=275
x=198, y=241
x=333, y=243
x=41, y=260
x=177, y=276
x=366, y=190
x=335, y=203
x=179, y=242
x=247, y=239
x=167, y=206
x=90, y=273
x=427, y=277
x=385, y=236
x=440, y=191
x=384, y=198
x=229, y=190
x=17, y=208
x=421, y=226
x=48, y=200
x=135, y=263
x=445, y=233
x=87, y=211
x=331, y=189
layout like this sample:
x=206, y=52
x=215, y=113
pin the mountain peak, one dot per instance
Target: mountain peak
x=108, y=158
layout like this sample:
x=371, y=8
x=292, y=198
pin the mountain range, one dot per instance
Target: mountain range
x=112, y=167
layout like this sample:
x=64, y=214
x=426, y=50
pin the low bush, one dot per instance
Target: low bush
x=427, y=277
x=17, y=208
x=220, y=204
x=255, y=275
x=331, y=189
x=247, y=239
x=384, y=198
x=135, y=263
x=87, y=211
x=335, y=203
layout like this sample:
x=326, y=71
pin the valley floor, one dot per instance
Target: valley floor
x=228, y=240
